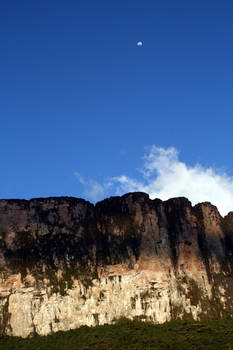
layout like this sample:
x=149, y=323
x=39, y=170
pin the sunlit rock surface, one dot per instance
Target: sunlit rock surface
x=65, y=263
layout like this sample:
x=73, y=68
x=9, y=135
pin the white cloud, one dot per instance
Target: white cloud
x=164, y=176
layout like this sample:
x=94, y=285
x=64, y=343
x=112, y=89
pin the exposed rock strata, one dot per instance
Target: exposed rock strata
x=65, y=262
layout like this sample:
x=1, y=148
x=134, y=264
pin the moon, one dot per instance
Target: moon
x=139, y=43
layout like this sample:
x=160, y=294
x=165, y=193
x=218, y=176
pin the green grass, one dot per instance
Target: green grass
x=133, y=335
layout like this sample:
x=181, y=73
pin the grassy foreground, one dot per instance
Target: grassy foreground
x=135, y=335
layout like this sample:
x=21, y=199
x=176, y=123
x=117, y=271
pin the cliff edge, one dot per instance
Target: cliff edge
x=65, y=263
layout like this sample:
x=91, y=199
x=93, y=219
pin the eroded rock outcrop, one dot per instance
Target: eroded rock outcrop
x=65, y=262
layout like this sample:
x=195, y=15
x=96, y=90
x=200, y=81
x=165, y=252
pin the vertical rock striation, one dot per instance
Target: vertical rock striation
x=65, y=263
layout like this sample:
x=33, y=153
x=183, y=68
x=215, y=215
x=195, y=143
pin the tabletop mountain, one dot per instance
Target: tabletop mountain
x=65, y=262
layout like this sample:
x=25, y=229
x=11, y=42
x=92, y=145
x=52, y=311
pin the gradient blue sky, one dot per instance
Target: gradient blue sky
x=78, y=95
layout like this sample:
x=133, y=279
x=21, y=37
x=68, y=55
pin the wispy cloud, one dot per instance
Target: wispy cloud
x=80, y=178
x=93, y=190
x=164, y=176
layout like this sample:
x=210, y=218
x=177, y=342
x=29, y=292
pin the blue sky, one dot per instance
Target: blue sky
x=77, y=95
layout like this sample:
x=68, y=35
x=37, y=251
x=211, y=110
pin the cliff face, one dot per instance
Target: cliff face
x=65, y=262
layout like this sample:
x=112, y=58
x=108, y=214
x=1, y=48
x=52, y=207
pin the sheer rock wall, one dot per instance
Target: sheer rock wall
x=65, y=263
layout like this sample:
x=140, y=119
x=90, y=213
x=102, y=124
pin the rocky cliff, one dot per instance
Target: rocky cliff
x=65, y=263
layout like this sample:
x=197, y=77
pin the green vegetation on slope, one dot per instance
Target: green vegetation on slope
x=133, y=335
